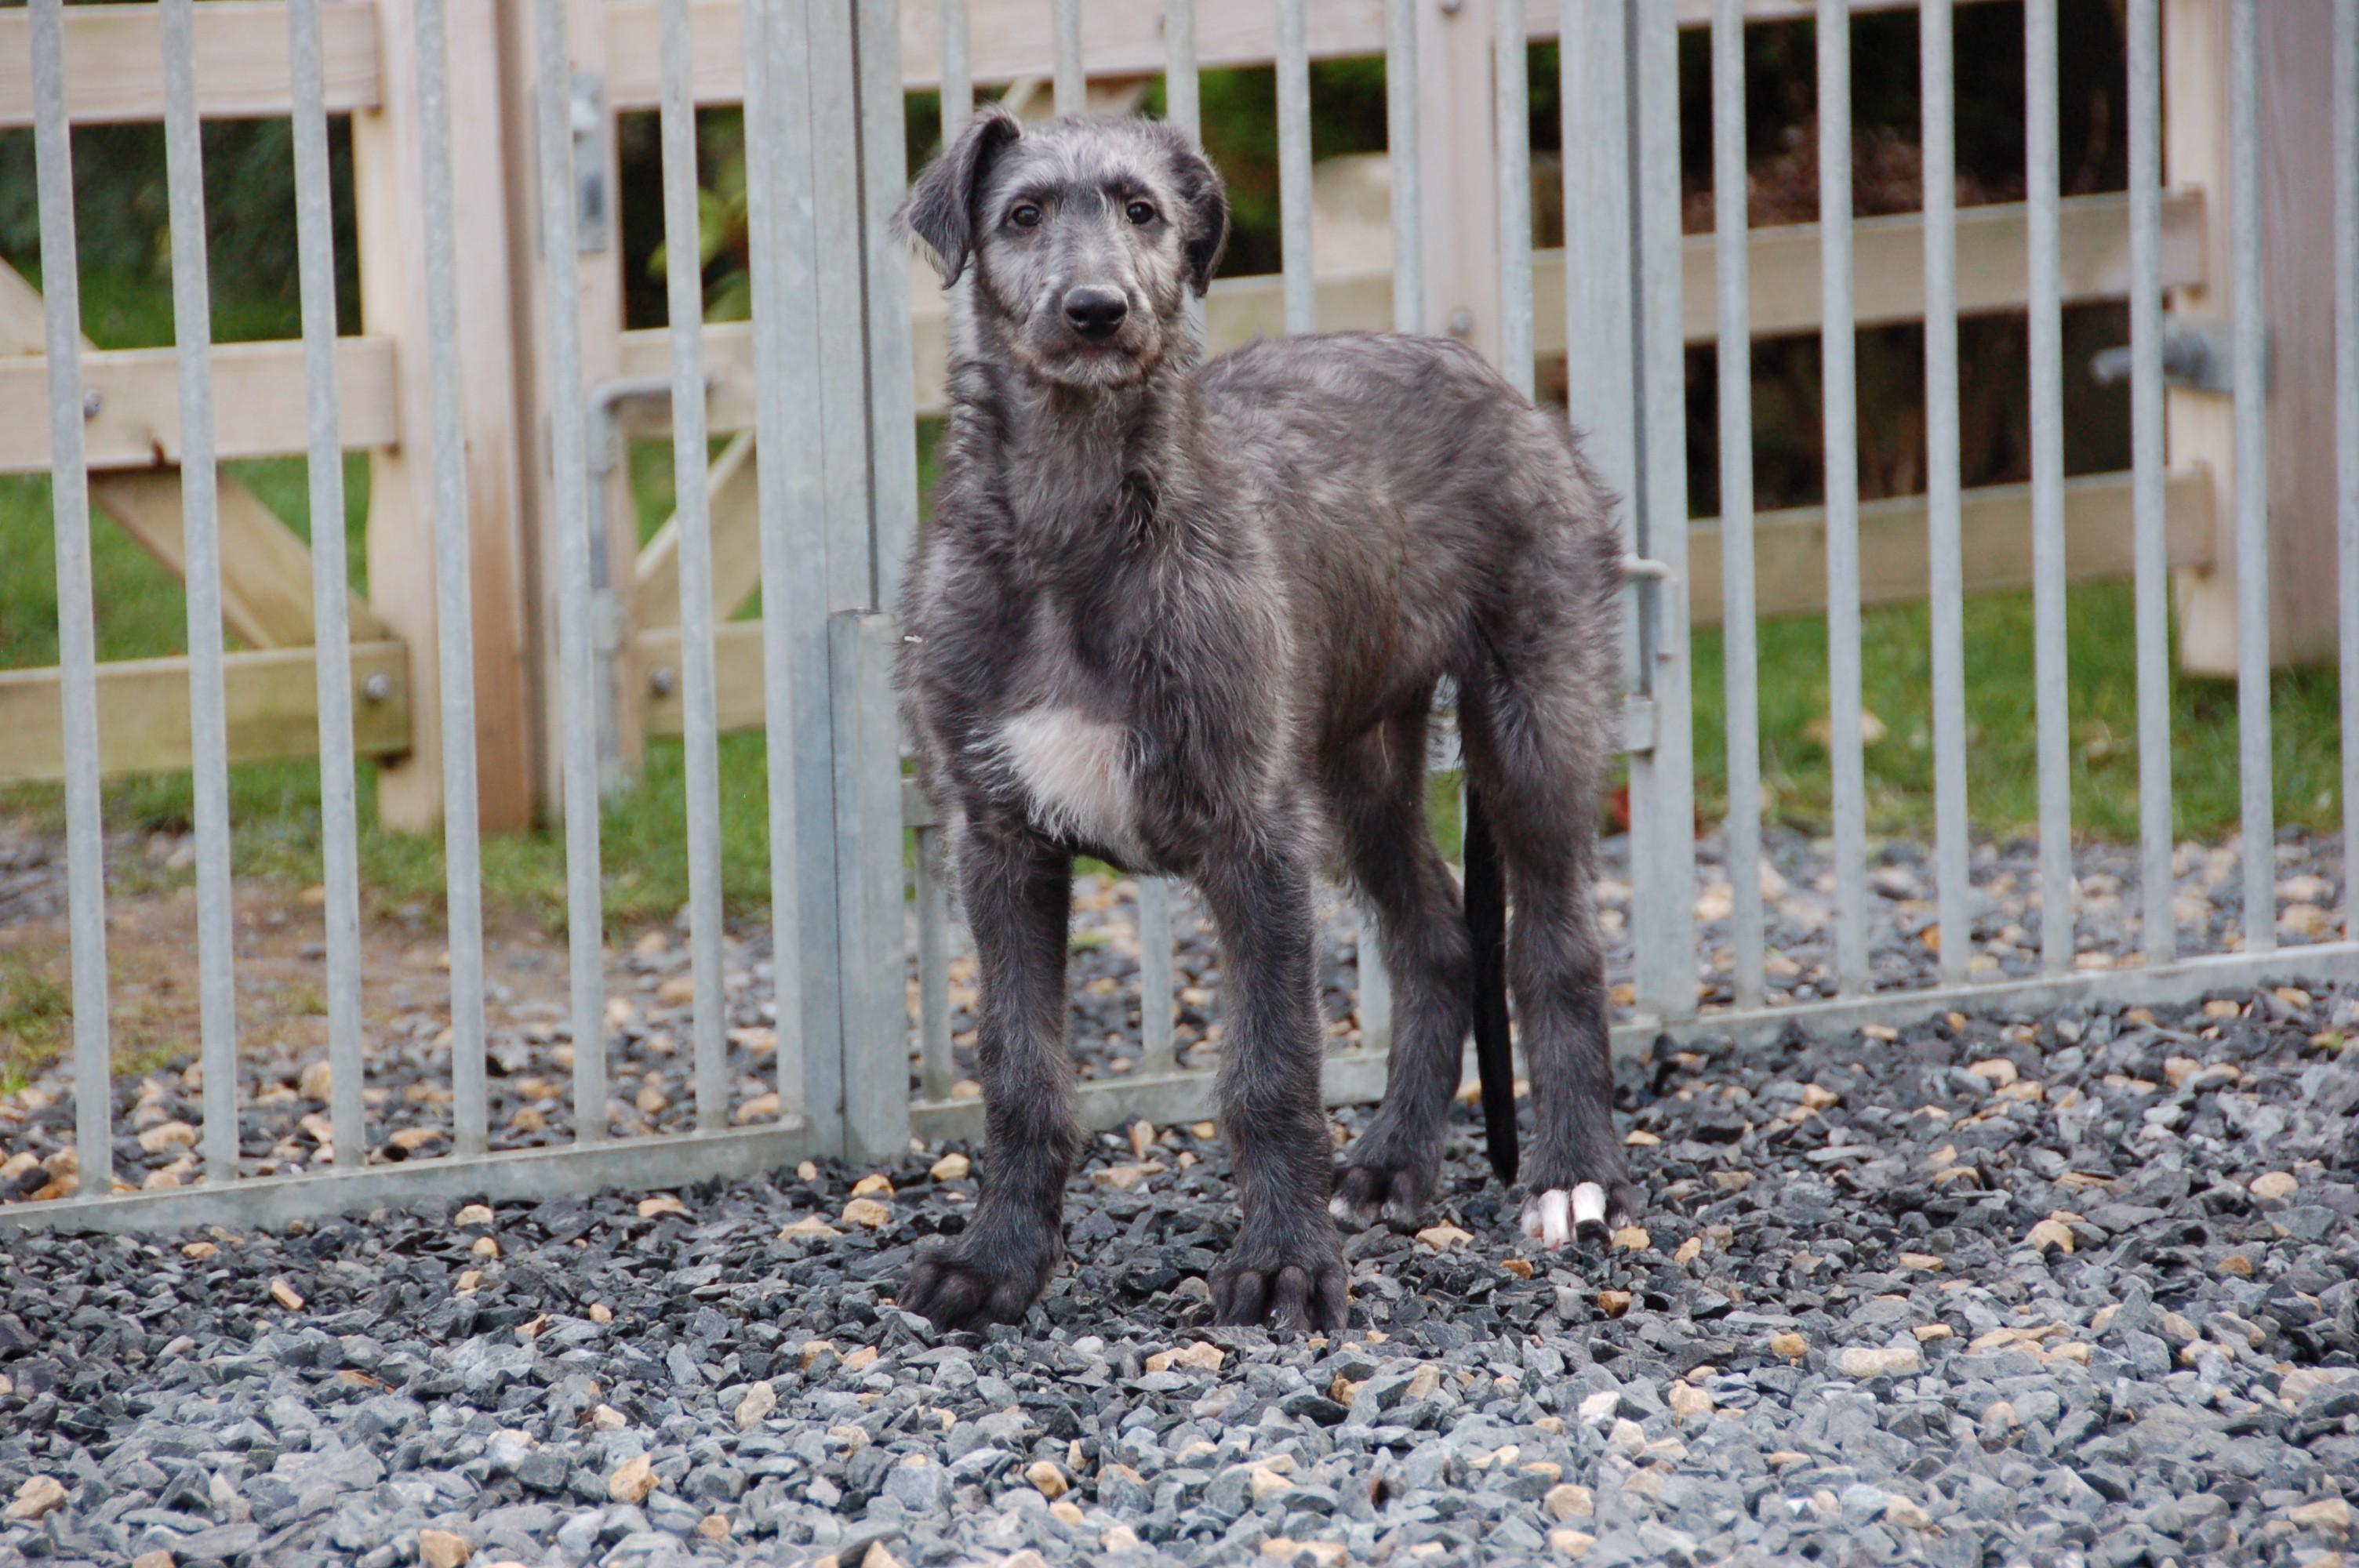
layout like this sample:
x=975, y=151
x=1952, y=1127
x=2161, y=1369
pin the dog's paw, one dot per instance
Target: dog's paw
x=1368, y=1190
x=956, y=1291
x=1586, y=1213
x=1302, y=1288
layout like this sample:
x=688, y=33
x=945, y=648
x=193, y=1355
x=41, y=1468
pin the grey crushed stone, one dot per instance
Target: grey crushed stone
x=2182, y=1385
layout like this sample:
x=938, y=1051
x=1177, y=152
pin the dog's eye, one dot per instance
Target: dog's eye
x=1140, y=213
x=1024, y=216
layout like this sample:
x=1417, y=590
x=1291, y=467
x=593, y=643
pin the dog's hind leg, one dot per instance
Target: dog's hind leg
x=1287, y=1266
x=1536, y=747
x=1376, y=791
x=1018, y=889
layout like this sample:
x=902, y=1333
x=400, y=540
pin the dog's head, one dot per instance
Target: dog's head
x=1087, y=236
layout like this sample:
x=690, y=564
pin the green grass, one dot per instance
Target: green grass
x=33, y=1013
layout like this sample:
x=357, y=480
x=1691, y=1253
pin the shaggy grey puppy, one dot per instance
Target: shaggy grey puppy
x=1190, y=618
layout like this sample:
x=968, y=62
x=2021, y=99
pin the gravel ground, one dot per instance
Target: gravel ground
x=285, y=1087
x=2071, y=1289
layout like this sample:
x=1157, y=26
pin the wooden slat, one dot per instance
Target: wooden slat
x=143, y=712
x=1790, y=568
x=265, y=569
x=115, y=60
x=257, y=403
x=736, y=545
x=1784, y=274
x=1790, y=546
x=1010, y=38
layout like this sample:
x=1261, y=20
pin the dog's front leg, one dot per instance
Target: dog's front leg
x=1288, y=1265
x=1018, y=890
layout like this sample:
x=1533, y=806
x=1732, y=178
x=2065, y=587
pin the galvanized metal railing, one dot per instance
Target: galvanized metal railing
x=833, y=350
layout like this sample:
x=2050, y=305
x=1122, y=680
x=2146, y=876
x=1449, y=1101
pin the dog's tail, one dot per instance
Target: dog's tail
x=1486, y=923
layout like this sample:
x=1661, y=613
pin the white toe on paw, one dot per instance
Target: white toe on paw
x=1337, y=1206
x=1588, y=1206
x=1546, y=1217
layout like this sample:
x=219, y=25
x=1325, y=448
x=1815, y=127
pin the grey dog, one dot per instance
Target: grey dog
x=1191, y=618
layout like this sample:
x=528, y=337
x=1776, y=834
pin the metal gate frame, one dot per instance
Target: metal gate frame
x=832, y=344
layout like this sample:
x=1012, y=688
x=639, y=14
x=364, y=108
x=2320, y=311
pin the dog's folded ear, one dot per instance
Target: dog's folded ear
x=1207, y=201
x=940, y=215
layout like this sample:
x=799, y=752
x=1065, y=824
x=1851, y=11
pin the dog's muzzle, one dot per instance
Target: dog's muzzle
x=1095, y=313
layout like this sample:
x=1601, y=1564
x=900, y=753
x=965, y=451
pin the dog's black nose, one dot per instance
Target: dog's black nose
x=1095, y=313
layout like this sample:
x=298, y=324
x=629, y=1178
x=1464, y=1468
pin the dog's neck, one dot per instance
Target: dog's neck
x=1065, y=459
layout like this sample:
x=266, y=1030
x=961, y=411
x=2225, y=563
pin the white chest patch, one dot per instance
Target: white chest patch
x=1076, y=771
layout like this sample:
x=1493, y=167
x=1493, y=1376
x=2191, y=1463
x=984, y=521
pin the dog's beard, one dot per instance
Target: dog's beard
x=1054, y=353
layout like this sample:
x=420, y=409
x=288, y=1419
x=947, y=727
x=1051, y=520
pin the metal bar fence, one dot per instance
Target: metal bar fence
x=2347, y=417
x=332, y=652
x=1945, y=547
x=837, y=504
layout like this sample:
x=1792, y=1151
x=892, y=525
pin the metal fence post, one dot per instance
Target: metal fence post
x=867, y=737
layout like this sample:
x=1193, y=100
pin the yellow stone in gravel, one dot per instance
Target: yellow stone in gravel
x=1614, y=1303
x=864, y=1356
x=1119, y=1538
x=1198, y=1356
x=1567, y=1501
x=198, y=1251
x=1689, y=1251
x=1792, y=1347
x=662, y=1202
x=1633, y=1238
x=950, y=1167
x=167, y=1135
x=468, y=1279
x=601, y=1313
x=867, y=1213
x=1639, y=1138
x=35, y=1498
x=485, y=1246
x=607, y=1417
x=1065, y=1508
x=1998, y=1416
x=2274, y=1187
x=443, y=1548
x=632, y=1481
x=966, y=1088
x=2327, y=1513
x=283, y=1295
x=473, y=1213
x=1924, y=1261
x=872, y=1185
x=1571, y=1542
x=1877, y=1360
x=2049, y=1233
x=761, y=1108
x=2177, y=1328
x=1046, y=1478
x=1901, y=1510
x=1996, y=1071
x=1265, y=1482
x=1927, y=1333
x=1442, y=1237
x=159, y=1558
x=755, y=1407
x=713, y=1527
x=1686, y=1399
x=809, y=1225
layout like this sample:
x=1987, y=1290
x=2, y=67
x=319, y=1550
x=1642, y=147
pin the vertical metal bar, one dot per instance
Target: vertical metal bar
x=331, y=639
x=2347, y=417
x=2049, y=680
x=958, y=71
x=201, y=528
x=1837, y=341
x=1662, y=780
x=1300, y=284
x=2252, y=457
x=867, y=757
x=1155, y=1049
x=453, y=594
x=77, y=643
x=1072, y=83
x=1511, y=106
x=787, y=433
x=578, y=678
x=892, y=393
x=1954, y=886
x=938, y=1066
x=700, y=726
x=1731, y=221
x=1375, y=986
x=2146, y=457
x=1600, y=388
x=1402, y=153
x=1182, y=86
